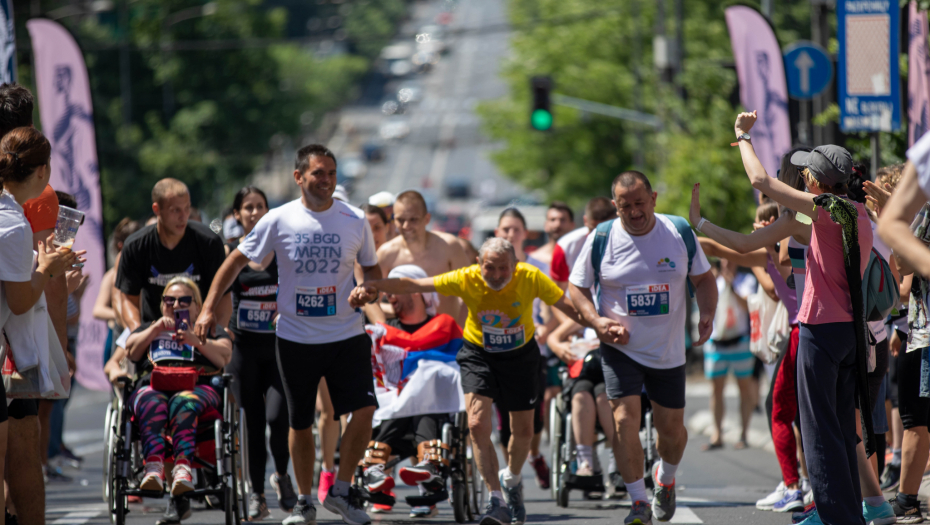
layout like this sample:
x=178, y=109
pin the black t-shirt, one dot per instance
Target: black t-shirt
x=165, y=351
x=146, y=266
x=254, y=296
x=409, y=328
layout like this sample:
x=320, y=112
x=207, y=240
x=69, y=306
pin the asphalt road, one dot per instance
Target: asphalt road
x=715, y=487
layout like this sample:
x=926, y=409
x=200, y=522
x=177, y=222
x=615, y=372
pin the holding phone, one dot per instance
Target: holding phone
x=182, y=320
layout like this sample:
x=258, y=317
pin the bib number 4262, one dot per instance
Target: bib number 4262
x=316, y=302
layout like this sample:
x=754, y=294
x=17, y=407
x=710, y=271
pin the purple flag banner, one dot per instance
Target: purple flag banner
x=762, y=87
x=67, y=117
x=7, y=43
x=918, y=75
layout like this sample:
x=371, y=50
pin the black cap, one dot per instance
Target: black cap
x=830, y=165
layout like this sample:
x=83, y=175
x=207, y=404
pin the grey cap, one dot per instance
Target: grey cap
x=830, y=165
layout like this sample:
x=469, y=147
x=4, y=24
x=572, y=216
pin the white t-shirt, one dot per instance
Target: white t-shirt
x=919, y=155
x=316, y=259
x=572, y=243
x=878, y=327
x=644, y=287
x=16, y=254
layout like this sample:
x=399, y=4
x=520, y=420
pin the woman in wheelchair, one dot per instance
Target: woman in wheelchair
x=173, y=366
x=570, y=342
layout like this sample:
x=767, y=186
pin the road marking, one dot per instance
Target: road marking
x=685, y=515
x=86, y=450
x=76, y=518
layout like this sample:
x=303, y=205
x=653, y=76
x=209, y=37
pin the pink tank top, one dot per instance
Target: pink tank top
x=826, y=291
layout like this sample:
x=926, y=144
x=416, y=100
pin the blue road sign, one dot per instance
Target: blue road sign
x=808, y=68
x=868, y=80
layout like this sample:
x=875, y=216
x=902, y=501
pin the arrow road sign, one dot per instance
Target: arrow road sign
x=809, y=70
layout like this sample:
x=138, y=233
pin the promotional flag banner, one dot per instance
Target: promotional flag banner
x=416, y=373
x=762, y=87
x=7, y=43
x=67, y=117
x=918, y=75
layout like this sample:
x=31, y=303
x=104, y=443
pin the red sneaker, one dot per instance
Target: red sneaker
x=542, y=472
x=378, y=508
x=183, y=477
x=326, y=482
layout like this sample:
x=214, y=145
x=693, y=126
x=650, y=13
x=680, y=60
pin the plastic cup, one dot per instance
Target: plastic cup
x=69, y=220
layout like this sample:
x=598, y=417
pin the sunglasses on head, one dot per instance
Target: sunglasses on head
x=184, y=300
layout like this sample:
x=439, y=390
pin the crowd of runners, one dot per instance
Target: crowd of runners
x=294, y=302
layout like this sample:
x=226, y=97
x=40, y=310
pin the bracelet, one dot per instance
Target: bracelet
x=700, y=224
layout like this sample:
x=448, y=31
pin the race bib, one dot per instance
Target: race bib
x=647, y=299
x=256, y=316
x=167, y=349
x=316, y=302
x=503, y=339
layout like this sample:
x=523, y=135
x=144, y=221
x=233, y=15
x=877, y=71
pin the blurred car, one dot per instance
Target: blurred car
x=394, y=59
x=458, y=189
x=373, y=151
x=394, y=128
x=432, y=38
x=351, y=166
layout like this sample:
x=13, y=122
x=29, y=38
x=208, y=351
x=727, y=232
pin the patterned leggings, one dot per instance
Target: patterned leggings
x=155, y=410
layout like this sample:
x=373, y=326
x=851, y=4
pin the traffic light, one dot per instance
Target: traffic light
x=541, y=115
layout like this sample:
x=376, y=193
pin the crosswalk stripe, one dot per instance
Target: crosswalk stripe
x=76, y=518
x=685, y=515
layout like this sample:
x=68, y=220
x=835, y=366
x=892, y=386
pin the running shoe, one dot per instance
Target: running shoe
x=880, y=515
x=423, y=472
x=424, y=512
x=154, y=477
x=496, y=513
x=812, y=519
x=303, y=513
x=798, y=517
x=326, y=481
x=287, y=498
x=178, y=509
x=640, y=514
x=348, y=506
x=891, y=478
x=258, y=508
x=55, y=475
x=768, y=502
x=514, y=498
x=618, y=487
x=70, y=458
x=663, y=500
x=793, y=500
x=542, y=472
x=906, y=513
x=183, y=478
x=376, y=480
x=381, y=508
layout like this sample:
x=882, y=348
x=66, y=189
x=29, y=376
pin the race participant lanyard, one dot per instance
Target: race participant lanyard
x=168, y=349
x=316, y=302
x=503, y=339
x=645, y=300
x=256, y=316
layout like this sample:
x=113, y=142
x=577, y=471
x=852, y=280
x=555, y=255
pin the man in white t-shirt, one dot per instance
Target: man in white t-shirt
x=317, y=241
x=640, y=320
x=566, y=250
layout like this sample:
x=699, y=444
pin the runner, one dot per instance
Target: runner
x=257, y=384
x=566, y=250
x=644, y=271
x=317, y=241
x=435, y=252
x=379, y=222
x=499, y=360
x=385, y=201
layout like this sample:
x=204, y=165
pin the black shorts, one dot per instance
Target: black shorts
x=915, y=410
x=22, y=408
x=511, y=379
x=625, y=377
x=346, y=365
x=577, y=386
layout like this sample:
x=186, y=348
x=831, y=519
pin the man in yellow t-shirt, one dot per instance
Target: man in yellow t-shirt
x=499, y=359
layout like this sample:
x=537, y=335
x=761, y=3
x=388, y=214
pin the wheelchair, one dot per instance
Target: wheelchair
x=563, y=448
x=459, y=469
x=221, y=470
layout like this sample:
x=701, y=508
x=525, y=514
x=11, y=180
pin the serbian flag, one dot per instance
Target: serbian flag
x=416, y=373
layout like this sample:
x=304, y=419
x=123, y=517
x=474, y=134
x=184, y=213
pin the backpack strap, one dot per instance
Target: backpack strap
x=598, y=248
x=684, y=230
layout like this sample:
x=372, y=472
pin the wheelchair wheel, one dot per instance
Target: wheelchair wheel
x=227, y=434
x=563, y=492
x=242, y=452
x=461, y=507
x=108, y=451
x=555, y=446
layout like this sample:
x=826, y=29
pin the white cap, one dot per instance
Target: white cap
x=381, y=199
x=340, y=193
x=412, y=271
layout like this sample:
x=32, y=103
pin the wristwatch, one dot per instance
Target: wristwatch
x=744, y=136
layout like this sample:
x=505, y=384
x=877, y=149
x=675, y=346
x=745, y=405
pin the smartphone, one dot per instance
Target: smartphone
x=182, y=319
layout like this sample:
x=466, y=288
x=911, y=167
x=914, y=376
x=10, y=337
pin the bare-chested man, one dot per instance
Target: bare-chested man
x=435, y=252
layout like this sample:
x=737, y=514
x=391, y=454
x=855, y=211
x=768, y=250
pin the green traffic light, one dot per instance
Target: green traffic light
x=541, y=120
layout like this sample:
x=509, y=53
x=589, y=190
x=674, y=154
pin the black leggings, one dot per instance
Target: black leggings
x=257, y=387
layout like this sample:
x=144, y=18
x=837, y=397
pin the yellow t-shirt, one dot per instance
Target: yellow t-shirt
x=499, y=321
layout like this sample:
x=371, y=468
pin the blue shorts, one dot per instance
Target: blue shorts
x=718, y=360
x=625, y=377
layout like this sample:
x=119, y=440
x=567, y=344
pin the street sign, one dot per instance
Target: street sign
x=867, y=73
x=809, y=70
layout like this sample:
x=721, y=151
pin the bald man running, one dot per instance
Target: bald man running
x=435, y=252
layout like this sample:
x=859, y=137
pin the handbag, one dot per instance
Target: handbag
x=779, y=332
x=761, y=311
x=174, y=378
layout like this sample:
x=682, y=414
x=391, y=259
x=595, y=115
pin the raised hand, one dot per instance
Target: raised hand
x=694, y=215
x=876, y=195
x=744, y=122
x=56, y=261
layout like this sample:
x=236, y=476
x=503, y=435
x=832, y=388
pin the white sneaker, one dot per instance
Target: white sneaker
x=349, y=507
x=154, y=478
x=768, y=502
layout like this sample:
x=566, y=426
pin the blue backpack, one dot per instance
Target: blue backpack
x=880, y=291
x=602, y=233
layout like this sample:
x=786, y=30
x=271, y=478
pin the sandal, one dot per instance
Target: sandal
x=711, y=446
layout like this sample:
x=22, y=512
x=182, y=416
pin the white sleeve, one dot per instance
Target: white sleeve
x=367, y=255
x=919, y=155
x=583, y=271
x=15, y=260
x=699, y=265
x=260, y=241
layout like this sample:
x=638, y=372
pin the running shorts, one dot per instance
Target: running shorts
x=511, y=379
x=346, y=365
x=625, y=377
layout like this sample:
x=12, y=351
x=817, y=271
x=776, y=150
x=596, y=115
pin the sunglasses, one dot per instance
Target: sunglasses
x=184, y=300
